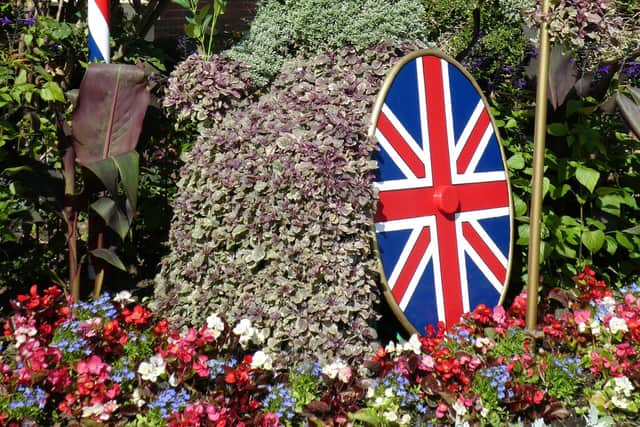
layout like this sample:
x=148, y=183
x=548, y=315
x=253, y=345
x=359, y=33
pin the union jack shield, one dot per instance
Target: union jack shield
x=444, y=218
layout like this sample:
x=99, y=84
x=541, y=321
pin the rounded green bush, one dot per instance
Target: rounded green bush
x=282, y=29
x=273, y=217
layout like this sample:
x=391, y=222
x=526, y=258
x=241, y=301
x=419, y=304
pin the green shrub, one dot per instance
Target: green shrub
x=496, y=40
x=273, y=212
x=283, y=28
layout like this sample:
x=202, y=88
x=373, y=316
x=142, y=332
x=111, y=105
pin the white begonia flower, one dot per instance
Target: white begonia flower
x=390, y=416
x=388, y=392
x=371, y=391
x=484, y=412
x=123, y=297
x=173, y=380
x=380, y=401
x=459, y=407
x=622, y=385
x=390, y=348
x=243, y=328
x=620, y=402
x=244, y=341
x=617, y=324
x=413, y=344
x=215, y=324
x=582, y=327
x=137, y=398
x=539, y=422
x=481, y=342
x=258, y=337
x=151, y=370
x=90, y=411
x=608, y=301
x=337, y=369
x=595, y=327
x=261, y=360
x=405, y=420
x=344, y=374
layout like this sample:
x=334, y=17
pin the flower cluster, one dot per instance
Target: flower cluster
x=581, y=361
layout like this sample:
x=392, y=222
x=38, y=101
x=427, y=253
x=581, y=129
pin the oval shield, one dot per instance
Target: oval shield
x=444, y=220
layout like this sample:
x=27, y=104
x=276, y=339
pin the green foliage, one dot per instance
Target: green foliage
x=305, y=387
x=140, y=348
x=485, y=33
x=562, y=378
x=35, y=57
x=512, y=344
x=274, y=209
x=484, y=387
x=201, y=22
x=281, y=29
x=151, y=418
x=590, y=206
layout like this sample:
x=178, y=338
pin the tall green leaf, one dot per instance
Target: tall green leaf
x=128, y=166
x=112, y=216
x=111, y=106
x=107, y=173
x=109, y=256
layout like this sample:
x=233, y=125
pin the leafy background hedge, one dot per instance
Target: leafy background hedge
x=281, y=29
x=274, y=211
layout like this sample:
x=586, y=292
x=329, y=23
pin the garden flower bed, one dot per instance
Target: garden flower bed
x=113, y=362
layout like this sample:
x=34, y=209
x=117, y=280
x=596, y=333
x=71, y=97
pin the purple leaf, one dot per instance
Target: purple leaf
x=563, y=75
x=111, y=106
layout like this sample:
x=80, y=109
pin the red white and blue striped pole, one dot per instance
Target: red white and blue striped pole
x=98, y=20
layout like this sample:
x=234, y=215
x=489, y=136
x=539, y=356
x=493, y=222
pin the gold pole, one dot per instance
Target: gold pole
x=539, y=134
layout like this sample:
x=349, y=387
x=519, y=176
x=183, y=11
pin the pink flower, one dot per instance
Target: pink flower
x=200, y=366
x=94, y=366
x=270, y=420
x=441, y=410
x=499, y=315
x=581, y=316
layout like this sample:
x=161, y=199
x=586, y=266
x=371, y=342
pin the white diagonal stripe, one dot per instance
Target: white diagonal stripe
x=486, y=137
x=462, y=141
x=426, y=257
x=406, y=251
x=386, y=146
x=404, y=133
x=98, y=28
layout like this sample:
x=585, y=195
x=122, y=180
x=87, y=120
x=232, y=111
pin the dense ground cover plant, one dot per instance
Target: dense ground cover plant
x=274, y=208
x=201, y=90
x=282, y=29
x=111, y=361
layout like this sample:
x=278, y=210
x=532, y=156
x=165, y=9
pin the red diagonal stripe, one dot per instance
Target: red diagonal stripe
x=400, y=145
x=103, y=5
x=411, y=265
x=472, y=143
x=487, y=255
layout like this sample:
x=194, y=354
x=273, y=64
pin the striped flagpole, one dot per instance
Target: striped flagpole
x=98, y=20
